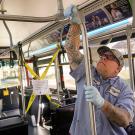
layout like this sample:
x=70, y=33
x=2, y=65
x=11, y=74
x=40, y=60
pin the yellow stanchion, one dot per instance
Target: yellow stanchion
x=49, y=98
x=32, y=98
x=46, y=70
x=6, y=92
x=31, y=71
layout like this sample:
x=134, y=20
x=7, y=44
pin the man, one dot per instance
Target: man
x=111, y=96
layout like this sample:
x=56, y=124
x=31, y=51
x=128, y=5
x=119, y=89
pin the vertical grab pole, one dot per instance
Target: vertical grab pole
x=132, y=4
x=22, y=90
x=22, y=74
x=88, y=76
x=39, y=110
x=60, y=9
x=129, y=33
x=58, y=80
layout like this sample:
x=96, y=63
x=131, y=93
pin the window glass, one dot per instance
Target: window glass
x=50, y=76
x=8, y=76
x=68, y=79
x=124, y=74
x=9, y=97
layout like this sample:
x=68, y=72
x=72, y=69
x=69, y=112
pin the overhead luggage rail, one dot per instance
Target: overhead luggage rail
x=111, y=34
x=91, y=7
x=95, y=38
x=44, y=31
x=28, y=18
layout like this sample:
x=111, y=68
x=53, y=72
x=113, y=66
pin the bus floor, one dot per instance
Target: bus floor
x=37, y=130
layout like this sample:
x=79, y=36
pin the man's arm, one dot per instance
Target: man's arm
x=72, y=46
x=117, y=115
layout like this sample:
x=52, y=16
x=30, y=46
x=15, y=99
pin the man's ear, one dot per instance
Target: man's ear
x=119, y=69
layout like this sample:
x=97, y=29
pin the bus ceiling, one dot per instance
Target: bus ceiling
x=102, y=17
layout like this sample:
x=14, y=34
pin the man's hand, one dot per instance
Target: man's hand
x=72, y=12
x=92, y=95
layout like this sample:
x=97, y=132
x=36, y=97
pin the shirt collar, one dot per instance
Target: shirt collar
x=98, y=79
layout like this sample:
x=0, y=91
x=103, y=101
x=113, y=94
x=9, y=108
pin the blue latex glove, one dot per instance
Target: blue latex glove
x=92, y=95
x=72, y=12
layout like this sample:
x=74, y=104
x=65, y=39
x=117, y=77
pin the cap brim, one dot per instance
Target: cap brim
x=101, y=50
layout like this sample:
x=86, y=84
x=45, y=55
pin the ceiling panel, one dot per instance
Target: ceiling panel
x=37, y=8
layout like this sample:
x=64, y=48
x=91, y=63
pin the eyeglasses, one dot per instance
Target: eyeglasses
x=109, y=56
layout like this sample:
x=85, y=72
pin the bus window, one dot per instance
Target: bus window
x=8, y=76
x=124, y=74
x=68, y=79
x=50, y=76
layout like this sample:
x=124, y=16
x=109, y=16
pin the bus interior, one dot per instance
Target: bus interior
x=32, y=39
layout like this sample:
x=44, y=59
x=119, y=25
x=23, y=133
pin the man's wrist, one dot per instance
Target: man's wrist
x=101, y=102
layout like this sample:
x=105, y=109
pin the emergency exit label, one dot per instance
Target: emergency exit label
x=40, y=87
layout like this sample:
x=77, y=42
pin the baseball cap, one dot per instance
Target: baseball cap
x=103, y=49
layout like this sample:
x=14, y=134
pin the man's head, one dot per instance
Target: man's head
x=110, y=63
